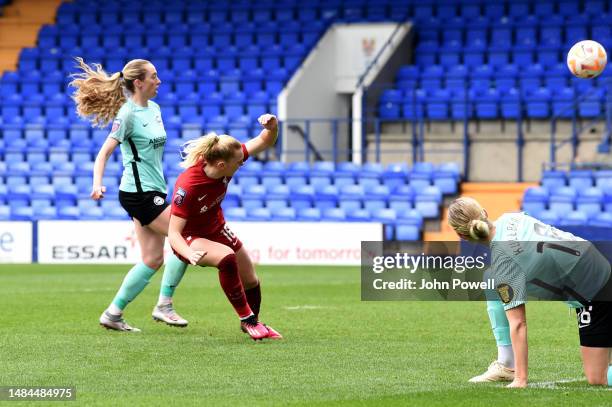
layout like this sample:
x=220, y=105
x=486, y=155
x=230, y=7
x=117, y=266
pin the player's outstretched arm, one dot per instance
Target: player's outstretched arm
x=518, y=333
x=98, y=190
x=267, y=137
x=177, y=242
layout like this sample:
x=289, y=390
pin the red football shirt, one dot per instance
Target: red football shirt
x=197, y=198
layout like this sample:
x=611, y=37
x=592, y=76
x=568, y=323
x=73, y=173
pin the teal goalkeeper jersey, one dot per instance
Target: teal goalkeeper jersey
x=529, y=257
x=141, y=132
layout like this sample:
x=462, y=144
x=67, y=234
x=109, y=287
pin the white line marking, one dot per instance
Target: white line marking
x=305, y=307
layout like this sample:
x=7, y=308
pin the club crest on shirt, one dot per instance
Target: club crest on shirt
x=179, y=196
x=225, y=180
x=158, y=119
x=116, y=125
x=506, y=293
x=158, y=200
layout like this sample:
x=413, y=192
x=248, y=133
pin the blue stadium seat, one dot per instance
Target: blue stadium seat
x=388, y=217
x=603, y=180
x=351, y=197
x=5, y=212
x=553, y=179
x=235, y=214
x=580, y=179
x=427, y=201
x=259, y=214
x=535, y=200
x=24, y=213
x=603, y=219
x=562, y=200
x=308, y=214
x=326, y=197
x=573, y=218
x=301, y=197
x=589, y=201
x=333, y=215
x=549, y=217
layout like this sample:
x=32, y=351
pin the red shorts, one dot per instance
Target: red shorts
x=224, y=236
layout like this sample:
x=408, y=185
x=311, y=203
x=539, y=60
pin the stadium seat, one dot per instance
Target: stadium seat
x=535, y=200
x=308, y=214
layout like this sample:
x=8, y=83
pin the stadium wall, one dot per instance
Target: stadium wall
x=111, y=242
x=322, y=87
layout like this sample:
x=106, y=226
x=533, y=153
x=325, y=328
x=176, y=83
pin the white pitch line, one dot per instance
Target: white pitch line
x=552, y=385
x=305, y=307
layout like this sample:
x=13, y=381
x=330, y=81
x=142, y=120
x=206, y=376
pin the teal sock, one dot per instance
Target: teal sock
x=610, y=375
x=499, y=323
x=134, y=282
x=173, y=273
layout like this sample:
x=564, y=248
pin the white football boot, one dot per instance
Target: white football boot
x=495, y=373
x=116, y=322
x=166, y=313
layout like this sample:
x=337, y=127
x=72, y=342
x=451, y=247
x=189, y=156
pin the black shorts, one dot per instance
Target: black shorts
x=144, y=206
x=595, y=324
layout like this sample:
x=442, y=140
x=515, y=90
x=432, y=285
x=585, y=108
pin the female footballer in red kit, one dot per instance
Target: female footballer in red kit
x=198, y=233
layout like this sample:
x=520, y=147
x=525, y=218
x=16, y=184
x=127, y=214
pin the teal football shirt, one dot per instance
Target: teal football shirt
x=532, y=258
x=141, y=132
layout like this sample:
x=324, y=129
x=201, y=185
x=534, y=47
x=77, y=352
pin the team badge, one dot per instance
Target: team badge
x=116, y=125
x=179, y=196
x=158, y=200
x=506, y=293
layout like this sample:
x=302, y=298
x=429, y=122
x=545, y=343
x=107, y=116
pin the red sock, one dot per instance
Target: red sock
x=253, y=296
x=232, y=286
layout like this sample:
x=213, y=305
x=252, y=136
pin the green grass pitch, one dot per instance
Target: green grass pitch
x=337, y=350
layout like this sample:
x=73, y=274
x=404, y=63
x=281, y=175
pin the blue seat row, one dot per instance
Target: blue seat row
x=51, y=37
x=578, y=179
x=402, y=225
x=590, y=201
x=246, y=10
x=540, y=104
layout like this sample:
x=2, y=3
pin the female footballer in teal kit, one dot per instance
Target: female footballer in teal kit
x=125, y=99
x=529, y=257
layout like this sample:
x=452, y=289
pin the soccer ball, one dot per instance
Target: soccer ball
x=587, y=59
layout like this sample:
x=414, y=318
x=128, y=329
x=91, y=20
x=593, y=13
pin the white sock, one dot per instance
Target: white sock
x=505, y=356
x=164, y=300
x=114, y=310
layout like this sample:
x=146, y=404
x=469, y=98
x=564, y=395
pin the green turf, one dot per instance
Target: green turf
x=337, y=349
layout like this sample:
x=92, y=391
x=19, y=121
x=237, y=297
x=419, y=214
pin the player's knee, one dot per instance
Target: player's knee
x=228, y=263
x=153, y=261
x=249, y=279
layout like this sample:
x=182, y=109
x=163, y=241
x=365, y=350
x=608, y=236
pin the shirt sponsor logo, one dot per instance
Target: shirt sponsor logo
x=179, y=197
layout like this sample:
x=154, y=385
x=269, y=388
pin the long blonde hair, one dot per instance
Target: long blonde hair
x=469, y=219
x=99, y=96
x=211, y=147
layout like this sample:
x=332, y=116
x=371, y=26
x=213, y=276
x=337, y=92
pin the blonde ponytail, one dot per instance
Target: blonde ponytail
x=469, y=219
x=211, y=148
x=479, y=229
x=98, y=95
